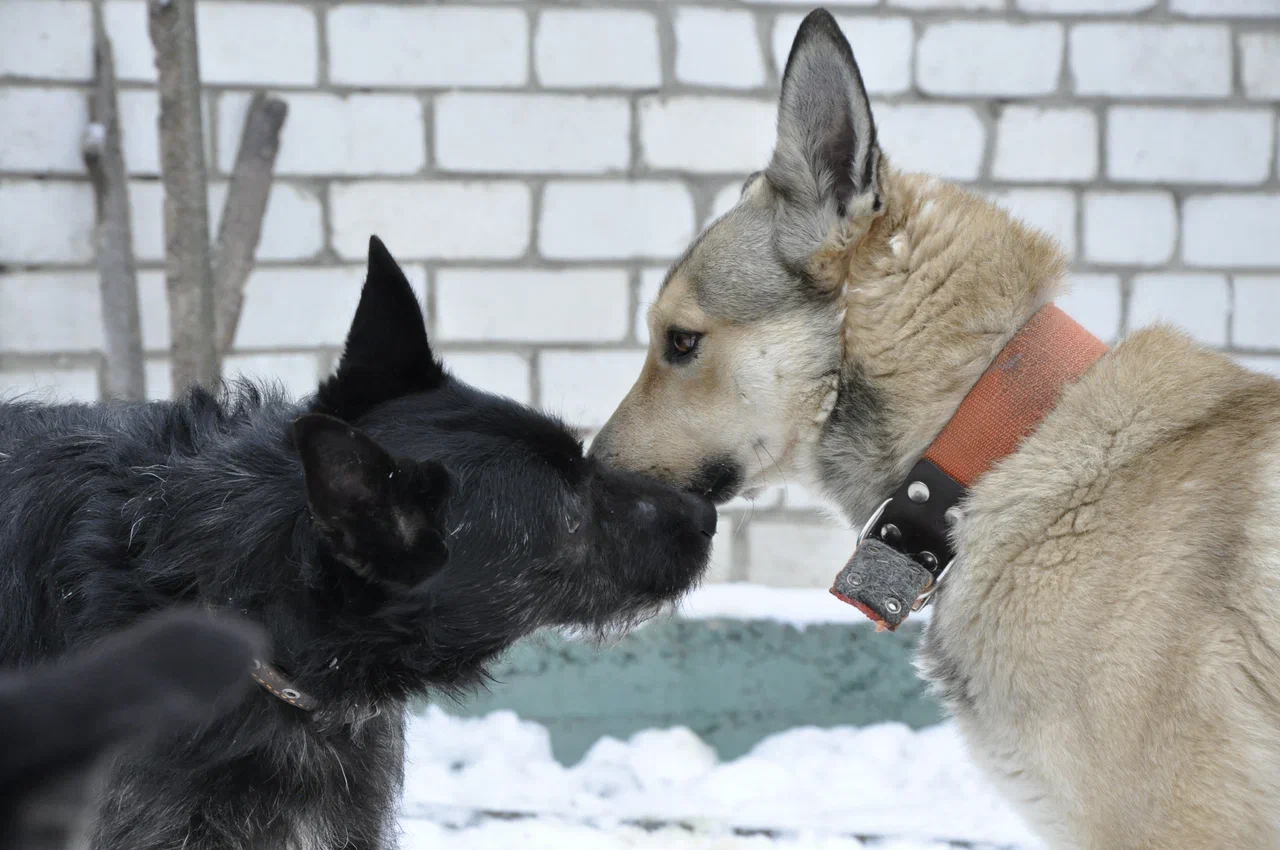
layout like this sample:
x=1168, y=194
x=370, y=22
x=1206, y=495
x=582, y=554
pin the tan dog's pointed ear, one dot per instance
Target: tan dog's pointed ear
x=826, y=158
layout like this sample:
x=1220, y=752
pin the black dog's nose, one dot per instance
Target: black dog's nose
x=704, y=513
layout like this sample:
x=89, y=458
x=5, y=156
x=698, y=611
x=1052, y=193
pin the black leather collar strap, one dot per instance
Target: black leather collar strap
x=904, y=549
x=281, y=687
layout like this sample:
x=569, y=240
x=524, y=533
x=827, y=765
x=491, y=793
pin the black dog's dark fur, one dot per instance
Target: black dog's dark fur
x=60, y=722
x=403, y=532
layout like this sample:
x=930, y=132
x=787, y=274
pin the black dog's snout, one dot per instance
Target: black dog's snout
x=704, y=513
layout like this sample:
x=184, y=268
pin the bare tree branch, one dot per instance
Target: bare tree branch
x=243, y=211
x=113, y=230
x=188, y=267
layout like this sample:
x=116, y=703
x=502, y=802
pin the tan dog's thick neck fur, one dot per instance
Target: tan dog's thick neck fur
x=1108, y=638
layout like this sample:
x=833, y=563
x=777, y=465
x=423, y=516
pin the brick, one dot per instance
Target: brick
x=1255, y=319
x=615, y=219
x=496, y=371
x=293, y=228
x=722, y=567
x=297, y=373
x=47, y=312
x=799, y=498
x=1197, y=303
x=883, y=47
x=1084, y=7
x=335, y=134
x=707, y=134
x=809, y=3
x=1138, y=228
x=257, y=43
x=427, y=46
x=139, y=139
x=45, y=221
x=585, y=387
x=317, y=302
x=50, y=384
x=795, y=554
x=1150, y=144
x=1265, y=365
x=936, y=138
x=968, y=5
x=556, y=133
x=1225, y=8
x=1260, y=64
x=590, y=48
x=241, y=43
x=989, y=58
x=532, y=306
x=770, y=498
x=717, y=48
x=1231, y=231
x=1050, y=210
x=46, y=39
x=1151, y=60
x=650, y=285
x=1093, y=300
x=126, y=22
x=725, y=200
x=40, y=130
x=1035, y=144
x=432, y=219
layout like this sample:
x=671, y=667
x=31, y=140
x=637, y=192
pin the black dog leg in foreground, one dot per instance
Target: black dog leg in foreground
x=60, y=723
x=393, y=534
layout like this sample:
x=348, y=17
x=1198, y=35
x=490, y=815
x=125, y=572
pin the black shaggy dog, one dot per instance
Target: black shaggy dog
x=61, y=722
x=392, y=535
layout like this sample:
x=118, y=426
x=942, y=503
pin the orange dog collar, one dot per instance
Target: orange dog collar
x=905, y=547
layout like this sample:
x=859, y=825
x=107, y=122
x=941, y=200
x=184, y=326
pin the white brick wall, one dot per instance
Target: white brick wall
x=427, y=46
x=1233, y=146
x=989, y=58
x=1150, y=60
x=1033, y=143
x=536, y=164
x=1130, y=228
x=612, y=48
x=571, y=134
x=718, y=48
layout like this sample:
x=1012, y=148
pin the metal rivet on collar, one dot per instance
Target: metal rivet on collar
x=290, y=693
x=890, y=533
x=918, y=492
x=952, y=515
x=893, y=606
x=928, y=560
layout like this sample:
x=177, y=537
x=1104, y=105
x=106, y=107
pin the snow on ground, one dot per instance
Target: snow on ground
x=491, y=782
x=794, y=606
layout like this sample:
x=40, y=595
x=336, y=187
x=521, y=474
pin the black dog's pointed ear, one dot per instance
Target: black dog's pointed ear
x=387, y=354
x=346, y=473
x=384, y=518
x=826, y=158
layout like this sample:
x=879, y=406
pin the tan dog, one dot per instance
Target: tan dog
x=1108, y=637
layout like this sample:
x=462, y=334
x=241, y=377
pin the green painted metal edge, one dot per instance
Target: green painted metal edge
x=733, y=682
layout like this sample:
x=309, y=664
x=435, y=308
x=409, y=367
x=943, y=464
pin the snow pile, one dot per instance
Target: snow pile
x=546, y=833
x=794, y=606
x=883, y=780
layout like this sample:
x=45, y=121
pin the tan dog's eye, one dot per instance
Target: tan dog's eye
x=682, y=344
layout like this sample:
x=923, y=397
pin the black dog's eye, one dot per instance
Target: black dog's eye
x=682, y=344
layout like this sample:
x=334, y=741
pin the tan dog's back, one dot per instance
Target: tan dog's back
x=1109, y=642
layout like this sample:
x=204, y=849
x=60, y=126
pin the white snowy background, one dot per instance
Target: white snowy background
x=492, y=782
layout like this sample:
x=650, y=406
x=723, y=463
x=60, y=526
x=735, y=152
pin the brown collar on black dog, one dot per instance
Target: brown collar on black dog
x=282, y=687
